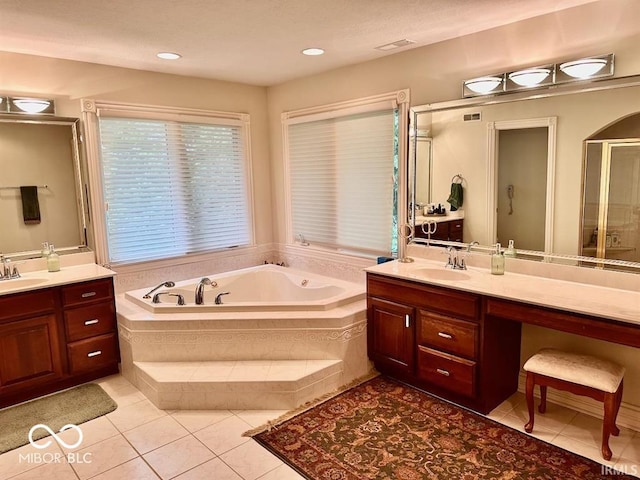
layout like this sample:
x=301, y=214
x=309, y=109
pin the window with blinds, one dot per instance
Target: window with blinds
x=172, y=188
x=343, y=181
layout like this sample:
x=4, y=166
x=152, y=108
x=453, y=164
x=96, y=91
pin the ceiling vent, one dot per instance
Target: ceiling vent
x=397, y=44
x=472, y=117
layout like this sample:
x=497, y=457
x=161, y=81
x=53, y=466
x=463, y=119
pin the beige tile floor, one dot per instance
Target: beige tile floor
x=140, y=442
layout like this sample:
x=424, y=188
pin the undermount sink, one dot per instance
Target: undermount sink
x=443, y=274
x=20, y=283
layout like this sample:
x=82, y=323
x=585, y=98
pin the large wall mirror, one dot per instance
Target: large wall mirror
x=40, y=152
x=557, y=171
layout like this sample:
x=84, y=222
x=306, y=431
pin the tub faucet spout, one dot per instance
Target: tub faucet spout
x=200, y=290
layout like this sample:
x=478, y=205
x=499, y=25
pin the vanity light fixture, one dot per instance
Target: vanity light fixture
x=27, y=106
x=529, y=77
x=168, y=55
x=484, y=85
x=542, y=76
x=585, y=68
x=312, y=51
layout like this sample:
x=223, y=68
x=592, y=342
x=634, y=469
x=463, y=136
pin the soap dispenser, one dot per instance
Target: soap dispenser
x=497, y=262
x=53, y=260
x=511, y=250
x=44, y=253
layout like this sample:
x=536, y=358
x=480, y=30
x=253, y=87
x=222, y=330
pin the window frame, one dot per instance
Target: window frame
x=92, y=110
x=393, y=100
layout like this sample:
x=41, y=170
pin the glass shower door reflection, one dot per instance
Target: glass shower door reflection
x=621, y=206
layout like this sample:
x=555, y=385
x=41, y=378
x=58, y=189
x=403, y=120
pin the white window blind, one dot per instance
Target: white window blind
x=172, y=188
x=342, y=181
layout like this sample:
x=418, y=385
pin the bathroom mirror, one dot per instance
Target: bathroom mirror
x=475, y=139
x=40, y=152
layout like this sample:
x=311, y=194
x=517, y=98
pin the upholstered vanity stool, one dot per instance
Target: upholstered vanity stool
x=580, y=374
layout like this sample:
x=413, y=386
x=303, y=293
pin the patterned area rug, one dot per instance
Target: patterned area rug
x=382, y=429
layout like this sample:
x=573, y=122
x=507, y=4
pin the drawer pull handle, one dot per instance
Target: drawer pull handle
x=94, y=354
x=442, y=372
x=88, y=294
x=407, y=321
x=91, y=322
x=448, y=336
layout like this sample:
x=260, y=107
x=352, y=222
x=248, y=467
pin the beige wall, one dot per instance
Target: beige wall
x=435, y=73
x=522, y=163
x=69, y=81
x=38, y=155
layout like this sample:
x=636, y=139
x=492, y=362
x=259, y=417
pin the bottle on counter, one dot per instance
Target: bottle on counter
x=44, y=253
x=497, y=261
x=511, y=250
x=53, y=260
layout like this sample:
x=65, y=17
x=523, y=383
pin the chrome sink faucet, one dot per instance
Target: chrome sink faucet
x=200, y=290
x=454, y=262
x=5, y=267
x=7, y=273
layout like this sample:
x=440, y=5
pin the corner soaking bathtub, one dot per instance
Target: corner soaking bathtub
x=265, y=287
x=282, y=337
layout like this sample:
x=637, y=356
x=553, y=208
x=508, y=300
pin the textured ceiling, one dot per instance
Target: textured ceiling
x=249, y=41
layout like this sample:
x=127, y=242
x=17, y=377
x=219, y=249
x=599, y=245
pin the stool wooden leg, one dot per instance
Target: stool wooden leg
x=608, y=423
x=543, y=399
x=614, y=428
x=529, y=395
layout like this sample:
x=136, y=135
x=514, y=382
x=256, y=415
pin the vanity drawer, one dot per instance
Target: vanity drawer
x=87, y=292
x=93, y=353
x=26, y=304
x=444, y=300
x=89, y=321
x=454, y=336
x=454, y=374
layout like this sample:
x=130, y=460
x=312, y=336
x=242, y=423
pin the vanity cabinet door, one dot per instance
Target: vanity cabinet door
x=29, y=353
x=390, y=335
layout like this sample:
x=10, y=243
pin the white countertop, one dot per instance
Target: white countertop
x=611, y=303
x=457, y=215
x=44, y=279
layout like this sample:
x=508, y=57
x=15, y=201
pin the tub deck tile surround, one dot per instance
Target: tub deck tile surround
x=259, y=358
x=277, y=384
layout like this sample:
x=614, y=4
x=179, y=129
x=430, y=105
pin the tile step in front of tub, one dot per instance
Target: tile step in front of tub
x=242, y=384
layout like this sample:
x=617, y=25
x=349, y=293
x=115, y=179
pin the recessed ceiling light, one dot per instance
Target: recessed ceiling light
x=168, y=55
x=312, y=51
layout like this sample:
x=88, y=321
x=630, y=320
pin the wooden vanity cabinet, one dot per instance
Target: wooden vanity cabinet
x=449, y=230
x=55, y=338
x=447, y=348
x=30, y=347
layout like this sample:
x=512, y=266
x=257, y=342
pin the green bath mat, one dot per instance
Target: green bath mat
x=74, y=406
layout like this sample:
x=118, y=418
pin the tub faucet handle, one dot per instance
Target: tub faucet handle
x=219, y=297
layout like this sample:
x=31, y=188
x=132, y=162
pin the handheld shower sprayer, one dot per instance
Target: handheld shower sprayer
x=165, y=284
